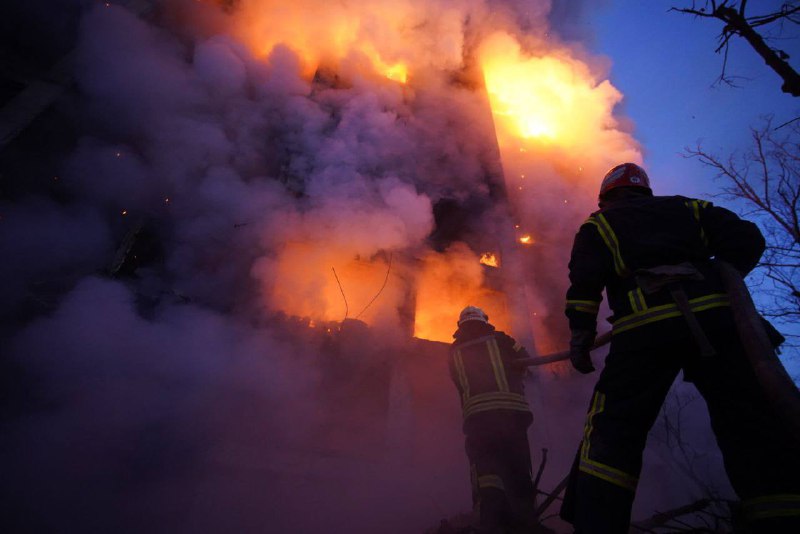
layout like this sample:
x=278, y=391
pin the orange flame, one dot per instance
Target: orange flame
x=551, y=98
x=301, y=283
x=446, y=284
x=327, y=33
x=552, y=114
x=490, y=259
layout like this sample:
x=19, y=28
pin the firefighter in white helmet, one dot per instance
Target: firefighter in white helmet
x=653, y=256
x=496, y=419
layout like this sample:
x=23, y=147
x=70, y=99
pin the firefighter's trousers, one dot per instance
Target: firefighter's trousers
x=760, y=457
x=500, y=470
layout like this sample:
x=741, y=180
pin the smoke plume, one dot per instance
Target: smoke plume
x=283, y=168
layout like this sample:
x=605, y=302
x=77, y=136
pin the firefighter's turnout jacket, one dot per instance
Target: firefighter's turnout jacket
x=496, y=419
x=645, y=232
x=652, y=342
x=481, y=366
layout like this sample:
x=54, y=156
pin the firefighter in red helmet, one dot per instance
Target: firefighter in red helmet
x=496, y=419
x=653, y=256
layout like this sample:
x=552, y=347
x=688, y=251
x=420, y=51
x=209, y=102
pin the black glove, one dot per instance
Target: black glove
x=579, y=347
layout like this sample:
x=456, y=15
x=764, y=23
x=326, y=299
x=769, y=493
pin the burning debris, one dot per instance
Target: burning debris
x=490, y=259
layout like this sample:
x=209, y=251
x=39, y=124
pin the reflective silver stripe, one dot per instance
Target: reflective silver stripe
x=491, y=481
x=610, y=239
x=586, y=306
x=767, y=506
x=667, y=311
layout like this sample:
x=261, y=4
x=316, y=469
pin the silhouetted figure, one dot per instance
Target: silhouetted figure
x=496, y=419
x=653, y=255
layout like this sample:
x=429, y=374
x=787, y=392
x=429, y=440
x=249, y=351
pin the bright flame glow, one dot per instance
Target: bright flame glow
x=388, y=37
x=552, y=114
x=397, y=72
x=490, y=259
x=303, y=285
x=446, y=284
x=550, y=98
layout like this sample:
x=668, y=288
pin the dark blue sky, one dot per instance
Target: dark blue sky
x=665, y=65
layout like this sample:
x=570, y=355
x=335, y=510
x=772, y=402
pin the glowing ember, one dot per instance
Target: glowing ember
x=526, y=239
x=490, y=259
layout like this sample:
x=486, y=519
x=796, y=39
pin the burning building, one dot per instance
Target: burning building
x=289, y=203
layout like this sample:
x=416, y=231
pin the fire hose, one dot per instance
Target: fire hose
x=775, y=382
x=599, y=341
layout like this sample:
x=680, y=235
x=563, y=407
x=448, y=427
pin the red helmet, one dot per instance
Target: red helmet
x=624, y=175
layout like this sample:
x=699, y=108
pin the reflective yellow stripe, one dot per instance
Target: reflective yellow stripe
x=667, y=311
x=488, y=406
x=495, y=401
x=695, y=206
x=491, y=481
x=458, y=363
x=768, y=506
x=587, y=306
x=598, y=405
x=632, y=301
x=496, y=395
x=497, y=365
x=593, y=467
x=610, y=239
x=608, y=473
x=636, y=298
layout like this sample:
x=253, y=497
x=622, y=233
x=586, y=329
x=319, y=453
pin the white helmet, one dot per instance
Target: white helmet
x=472, y=313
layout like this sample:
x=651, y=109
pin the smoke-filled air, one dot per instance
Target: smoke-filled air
x=221, y=310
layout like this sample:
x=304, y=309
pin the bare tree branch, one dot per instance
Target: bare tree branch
x=737, y=23
x=766, y=179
